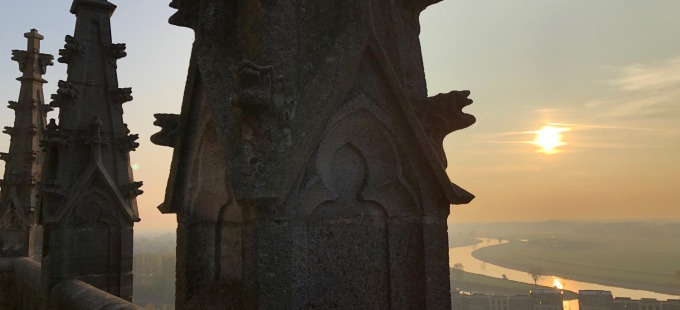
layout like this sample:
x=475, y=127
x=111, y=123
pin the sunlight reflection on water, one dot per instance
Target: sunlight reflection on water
x=463, y=255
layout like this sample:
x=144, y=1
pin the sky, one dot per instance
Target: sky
x=604, y=74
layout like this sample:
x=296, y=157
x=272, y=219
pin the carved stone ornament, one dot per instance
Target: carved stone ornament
x=66, y=94
x=73, y=48
x=20, y=57
x=9, y=130
x=128, y=143
x=132, y=190
x=168, y=134
x=255, y=86
x=55, y=188
x=187, y=13
x=121, y=95
x=443, y=114
x=45, y=60
x=116, y=51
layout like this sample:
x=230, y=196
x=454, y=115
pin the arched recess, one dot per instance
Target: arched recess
x=213, y=257
x=97, y=222
x=353, y=195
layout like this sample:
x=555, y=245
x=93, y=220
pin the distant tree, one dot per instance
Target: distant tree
x=536, y=274
x=458, y=272
x=677, y=276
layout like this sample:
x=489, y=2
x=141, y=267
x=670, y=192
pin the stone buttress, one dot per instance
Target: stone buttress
x=89, y=195
x=308, y=169
x=20, y=236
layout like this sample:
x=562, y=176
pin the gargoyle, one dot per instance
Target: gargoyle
x=442, y=115
x=168, y=134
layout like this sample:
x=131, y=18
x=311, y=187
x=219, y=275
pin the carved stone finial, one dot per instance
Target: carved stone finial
x=168, y=134
x=93, y=4
x=52, y=126
x=33, y=34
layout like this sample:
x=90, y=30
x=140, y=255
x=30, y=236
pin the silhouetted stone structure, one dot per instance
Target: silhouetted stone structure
x=20, y=236
x=595, y=300
x=308, y=169
x=88, y=206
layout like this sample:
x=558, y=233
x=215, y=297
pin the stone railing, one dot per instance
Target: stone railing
x=22, y=290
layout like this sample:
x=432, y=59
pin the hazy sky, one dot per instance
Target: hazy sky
x=607, y=72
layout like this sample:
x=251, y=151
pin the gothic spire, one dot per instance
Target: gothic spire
x=23, y=162
x=89, y=188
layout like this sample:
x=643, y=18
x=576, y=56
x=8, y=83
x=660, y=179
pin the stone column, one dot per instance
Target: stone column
x=20, y=236
x=89, y=195
x=308, y=170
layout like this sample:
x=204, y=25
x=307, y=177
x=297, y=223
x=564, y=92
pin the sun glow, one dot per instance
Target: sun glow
x=549, y=138
x=557, y=282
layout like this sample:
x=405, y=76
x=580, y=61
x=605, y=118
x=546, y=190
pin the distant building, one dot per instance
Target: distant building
x=595, y=300
x=650, y=304
x=519, y=302
x=478, y=302
x=552, y=299
x=625, y=303
x=546, y=299
x=499, y=302
x=672, y=304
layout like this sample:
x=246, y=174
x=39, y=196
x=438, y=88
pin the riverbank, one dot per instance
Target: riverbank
x=456, y=242
x=601, y=262
x=472, y=282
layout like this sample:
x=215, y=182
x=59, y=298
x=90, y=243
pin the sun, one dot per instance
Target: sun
x=549, y=138
x=557, y=283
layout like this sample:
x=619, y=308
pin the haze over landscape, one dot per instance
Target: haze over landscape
x=606, y=74
x=573, y=159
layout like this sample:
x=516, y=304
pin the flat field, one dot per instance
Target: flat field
x=632, y=262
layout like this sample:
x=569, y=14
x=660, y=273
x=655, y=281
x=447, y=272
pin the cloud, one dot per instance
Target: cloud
x=641, y=77
x=649, y=90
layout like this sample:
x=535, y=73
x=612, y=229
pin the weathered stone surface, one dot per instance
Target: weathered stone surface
x=308, y=170
x=20, y=236
x=90, y=205
x=77, y=295
x=25, y=285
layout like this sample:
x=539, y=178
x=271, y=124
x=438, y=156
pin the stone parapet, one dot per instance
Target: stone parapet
x=78, y=295
x=21, y=285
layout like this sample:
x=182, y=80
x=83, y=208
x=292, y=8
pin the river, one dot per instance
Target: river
x=464, y=256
